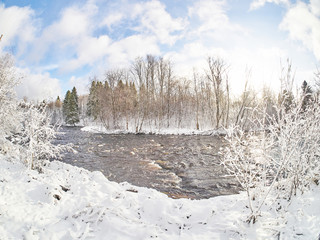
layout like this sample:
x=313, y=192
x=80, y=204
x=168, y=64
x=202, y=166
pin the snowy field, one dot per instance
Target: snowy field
x=66, y=202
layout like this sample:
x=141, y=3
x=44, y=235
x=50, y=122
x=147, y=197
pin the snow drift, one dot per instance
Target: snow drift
x=66, y=202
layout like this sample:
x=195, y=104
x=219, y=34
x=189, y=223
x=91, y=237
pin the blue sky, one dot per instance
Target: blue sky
x=60, y=44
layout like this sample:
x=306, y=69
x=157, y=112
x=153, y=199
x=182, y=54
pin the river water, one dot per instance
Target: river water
x=178, y=165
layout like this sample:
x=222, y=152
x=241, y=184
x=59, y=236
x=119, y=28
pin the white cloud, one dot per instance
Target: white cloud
x=209, y=19
x=78, y=38
x=73, y=23
x=122, y=52
x=264, y=63
x=211, y=13
x=303, y=24
x=67, y=32
x=260, y=3
x=315, y=7
x=89, y=51
x=80, y=83
x=155, y=20
x=16, y=22
x=38, y=86
x=112, y=19
x=193, y=56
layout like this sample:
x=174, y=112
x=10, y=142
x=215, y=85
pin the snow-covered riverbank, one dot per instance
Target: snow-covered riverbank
x=67, y=202
x=164, y=131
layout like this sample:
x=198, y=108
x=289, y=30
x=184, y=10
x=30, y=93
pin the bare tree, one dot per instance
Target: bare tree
x=317, y=77
x=317, y=84
x=162, y=72
x=245, y=102
x=169, y=91
x=150, y=77
x=138, y=72
x=83, y=102
x=217, y=75
x=227, y=110
x=286, y=91
x=182, y=100
x=287, y=77
x=196, y=92
x=114, y=78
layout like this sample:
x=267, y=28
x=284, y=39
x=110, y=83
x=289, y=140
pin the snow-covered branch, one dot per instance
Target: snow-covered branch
x=25, y=131
x=277, y=156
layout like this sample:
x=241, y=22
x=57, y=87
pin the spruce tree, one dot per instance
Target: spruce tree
x=74, y=107
x=65, y=106
x=91, y=105
x=70, y=107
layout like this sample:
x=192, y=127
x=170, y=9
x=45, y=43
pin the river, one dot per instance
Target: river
x=177, y=165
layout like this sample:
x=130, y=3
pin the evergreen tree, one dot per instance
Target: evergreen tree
x=65, y=106
x=75, y=95
x=90, y=99
x=93, y=103
x=74, y=107
x=70, y=107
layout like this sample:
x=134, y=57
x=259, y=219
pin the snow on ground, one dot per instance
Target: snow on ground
x=165, y=131
x=66, y=202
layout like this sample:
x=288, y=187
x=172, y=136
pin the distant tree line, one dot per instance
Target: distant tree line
x=150, y=96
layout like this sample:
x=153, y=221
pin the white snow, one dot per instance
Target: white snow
x=66, y=202
x=164, y=131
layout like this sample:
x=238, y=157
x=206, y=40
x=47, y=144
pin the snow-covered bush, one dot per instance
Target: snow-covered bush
x=25, y=130
x=247, y=158
x=36, y=136
x=9, y=114
x=276, y=157
x=297, y=136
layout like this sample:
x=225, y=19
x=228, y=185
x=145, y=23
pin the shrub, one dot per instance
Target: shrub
x=276, y=156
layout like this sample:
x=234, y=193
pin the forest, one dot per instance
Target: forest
x=148, y=97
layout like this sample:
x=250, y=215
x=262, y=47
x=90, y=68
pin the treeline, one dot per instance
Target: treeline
x=149, y=96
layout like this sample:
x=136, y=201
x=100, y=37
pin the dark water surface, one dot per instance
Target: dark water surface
x=178, y=165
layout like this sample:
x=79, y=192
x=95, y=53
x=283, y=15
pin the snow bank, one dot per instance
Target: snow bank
x=66, y=202
x=165, y=131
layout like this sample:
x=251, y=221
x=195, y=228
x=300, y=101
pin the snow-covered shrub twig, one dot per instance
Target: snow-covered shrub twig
x=276, y=156
x=9, y=114
x=36, y=136
x=25, y=130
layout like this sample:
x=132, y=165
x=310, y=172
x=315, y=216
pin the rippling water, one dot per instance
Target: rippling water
x=178, y=165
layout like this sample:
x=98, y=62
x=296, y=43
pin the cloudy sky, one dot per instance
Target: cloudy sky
x=60, y=44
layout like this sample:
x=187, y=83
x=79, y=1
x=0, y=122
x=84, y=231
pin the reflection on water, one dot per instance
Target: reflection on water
x=178, y=165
